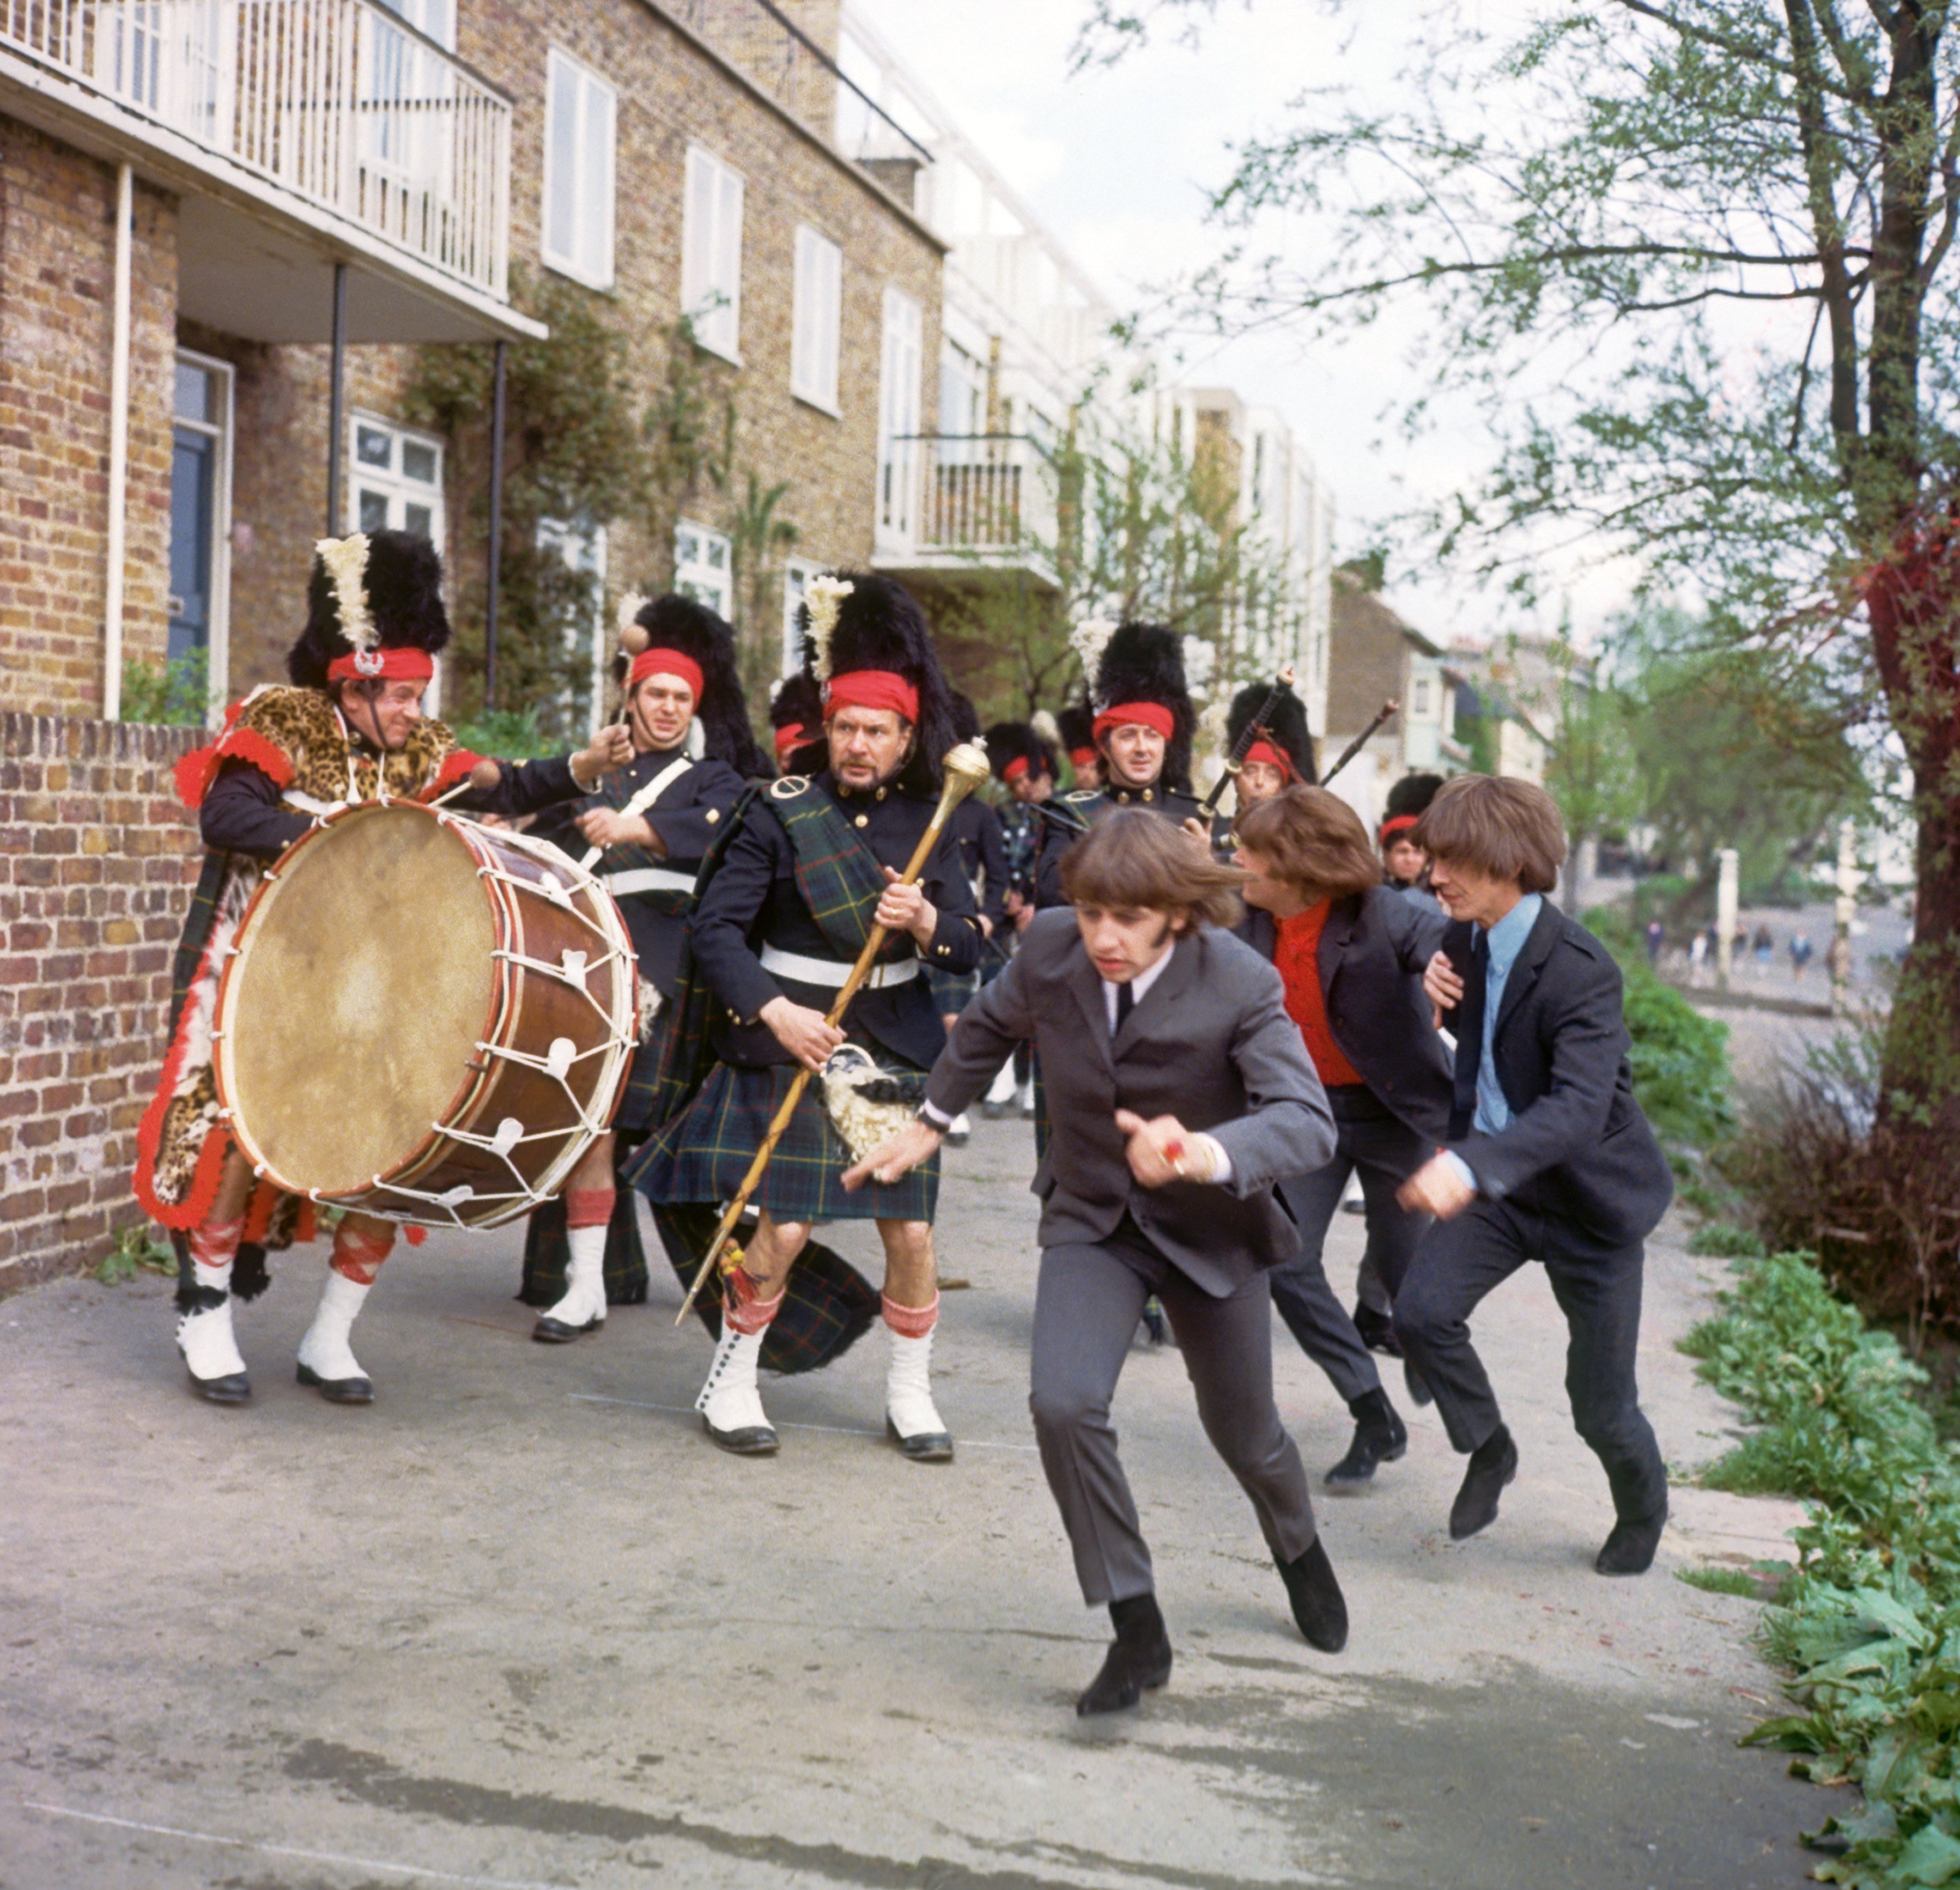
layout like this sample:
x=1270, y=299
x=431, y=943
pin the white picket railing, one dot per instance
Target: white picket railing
x=339, y=101
x=988, y=494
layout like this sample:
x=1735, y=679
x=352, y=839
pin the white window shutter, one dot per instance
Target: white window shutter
x=728, y=261
x=600, y=108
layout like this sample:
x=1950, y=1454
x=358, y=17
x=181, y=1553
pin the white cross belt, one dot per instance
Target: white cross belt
x=827, y=972
x=647, y=880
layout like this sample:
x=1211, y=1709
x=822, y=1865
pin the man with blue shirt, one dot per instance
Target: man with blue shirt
x=1548, y=1158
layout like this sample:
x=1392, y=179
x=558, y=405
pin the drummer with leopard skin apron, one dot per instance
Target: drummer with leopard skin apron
x=777, y=927
x=350, y=728
x=649, y=825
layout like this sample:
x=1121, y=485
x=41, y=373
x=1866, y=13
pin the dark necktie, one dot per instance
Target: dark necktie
x=1470, y=1031
x=1126, y=1002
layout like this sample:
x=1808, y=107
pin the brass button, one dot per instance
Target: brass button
x=1149, y=794
x=863, y=820
x=881, y=793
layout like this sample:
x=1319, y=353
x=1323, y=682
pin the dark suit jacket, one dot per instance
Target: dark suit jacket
x=1210, y=1042
x=1373, y=951
x=1577, y=1145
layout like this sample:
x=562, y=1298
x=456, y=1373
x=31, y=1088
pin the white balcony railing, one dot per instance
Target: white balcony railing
x=987, y=495
x=339, y=101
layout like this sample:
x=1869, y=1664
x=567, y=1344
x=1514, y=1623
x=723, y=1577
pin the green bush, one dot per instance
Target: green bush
x=177, y=693
x=1870, y=1622
x=1723, y=1240
x=505, y=734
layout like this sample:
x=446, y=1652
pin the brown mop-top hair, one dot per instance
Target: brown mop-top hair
x=1509, y=829
x=1313, y=841
x=1135, y=860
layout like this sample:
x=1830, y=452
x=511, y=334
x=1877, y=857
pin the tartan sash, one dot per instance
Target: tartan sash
x=840, y=878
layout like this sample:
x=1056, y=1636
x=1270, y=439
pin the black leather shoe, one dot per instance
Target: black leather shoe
x=1380, y=1437
x=1377, y=1331
x=234, y=1388
x=1318, y=1606
x=1493, y=1464
x=1138, y=1659
x=551, y=1332
x=924, y=1446
x=339, y=1391
x=1629, y=1549
x=754, y=1440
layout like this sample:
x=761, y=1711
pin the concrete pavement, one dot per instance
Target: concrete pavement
x=518, y=1623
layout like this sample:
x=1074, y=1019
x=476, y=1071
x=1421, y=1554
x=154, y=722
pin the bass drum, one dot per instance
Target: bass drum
x=424, y=1018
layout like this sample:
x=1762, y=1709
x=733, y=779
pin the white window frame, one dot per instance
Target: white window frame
x=590, y=260
x=711, y=249
x=797, y=573
x=400, y=490
x=817, y=329
x=901, y=372
x=218, y=648
x=696, y=574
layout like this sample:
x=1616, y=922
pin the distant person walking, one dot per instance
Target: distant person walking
x=1765, y=949
x=1698, y=955
x=1656, y=938
x=1801, y=951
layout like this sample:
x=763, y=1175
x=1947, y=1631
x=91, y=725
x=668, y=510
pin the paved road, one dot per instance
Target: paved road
x=519, y=1623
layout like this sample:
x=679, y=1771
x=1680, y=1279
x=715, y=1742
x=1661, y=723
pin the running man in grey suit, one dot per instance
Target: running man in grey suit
x=1179, y=1094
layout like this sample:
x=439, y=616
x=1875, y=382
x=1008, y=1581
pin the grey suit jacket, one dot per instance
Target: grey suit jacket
x=1210, y=1042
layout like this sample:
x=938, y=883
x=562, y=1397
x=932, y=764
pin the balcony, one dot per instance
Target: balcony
x=296, y=133
x=987, y=504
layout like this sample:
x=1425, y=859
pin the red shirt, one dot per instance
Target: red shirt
x=1296, y=954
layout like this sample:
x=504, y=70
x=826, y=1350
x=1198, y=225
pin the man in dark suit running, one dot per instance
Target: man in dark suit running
x=1180, y=1093
x=1549, y=1157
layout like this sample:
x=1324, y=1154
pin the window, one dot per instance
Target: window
x=702, y=568
x=397, y=483
x=1420, y=705
x=899, y=419
x=796, y=575
x=581, y=549
x=820, y=298
x=578, y=172
x=201, y=516
x=710, y=262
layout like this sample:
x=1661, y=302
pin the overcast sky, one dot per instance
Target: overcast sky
x=1116, y=163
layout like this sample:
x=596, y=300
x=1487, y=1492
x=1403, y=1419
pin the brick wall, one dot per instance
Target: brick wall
x=97, y=859
x=57, y=276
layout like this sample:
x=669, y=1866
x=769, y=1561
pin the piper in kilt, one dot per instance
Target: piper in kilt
x=649, y=823
x=351, y=727
x=1279, y=755
x=778, y=924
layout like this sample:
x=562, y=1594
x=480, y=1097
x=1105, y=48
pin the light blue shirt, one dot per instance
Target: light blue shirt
x=1504, y=941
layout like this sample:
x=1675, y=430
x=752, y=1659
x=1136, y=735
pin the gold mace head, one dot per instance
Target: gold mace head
x=966, y=768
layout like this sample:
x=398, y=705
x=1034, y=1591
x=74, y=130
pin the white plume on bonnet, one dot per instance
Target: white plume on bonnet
x=823, y=597
x=1044, y=725
x=1089, y=639
x=346, y=562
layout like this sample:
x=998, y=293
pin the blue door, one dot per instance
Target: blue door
x=193, y=522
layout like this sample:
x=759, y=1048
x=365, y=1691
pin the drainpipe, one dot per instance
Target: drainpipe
x=336, y=402
x=119, y=452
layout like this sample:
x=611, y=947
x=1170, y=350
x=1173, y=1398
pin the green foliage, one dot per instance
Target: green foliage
x=177, y=693
x=1680, y=1058
x=137, y=1250
x=1870, y=1622
x=506, y=735
x=1722, y=1581
x=1724, y=1240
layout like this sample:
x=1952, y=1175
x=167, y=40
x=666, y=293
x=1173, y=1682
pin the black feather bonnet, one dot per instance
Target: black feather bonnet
x=374, y=591
x=1144, y=663
x=675, y=622
x=1284, y=727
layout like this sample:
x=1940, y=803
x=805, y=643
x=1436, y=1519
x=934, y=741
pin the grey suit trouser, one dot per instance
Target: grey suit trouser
x=1086, y=1306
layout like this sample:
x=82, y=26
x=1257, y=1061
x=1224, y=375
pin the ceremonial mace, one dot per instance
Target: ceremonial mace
x=1250, y=733
x=966, y=768
x=1361, y=741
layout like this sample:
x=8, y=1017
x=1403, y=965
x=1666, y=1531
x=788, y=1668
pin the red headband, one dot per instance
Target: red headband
x=1084, y=757
x=788, y=737
x=1123, y=714
x=1015, y=769
x=666, y=662
x=385, y=666
x=1265, y=752
x=870, y=689
x=1400, y=823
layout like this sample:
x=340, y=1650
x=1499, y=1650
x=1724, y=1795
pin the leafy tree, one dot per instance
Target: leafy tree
x=1696, y=258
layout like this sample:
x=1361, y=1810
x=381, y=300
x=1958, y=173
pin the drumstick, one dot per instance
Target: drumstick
x=966, y=767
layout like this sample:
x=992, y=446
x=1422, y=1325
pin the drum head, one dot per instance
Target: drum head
x=363, y=984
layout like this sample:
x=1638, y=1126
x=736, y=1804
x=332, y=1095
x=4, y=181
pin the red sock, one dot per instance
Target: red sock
x=589, y=1207
x=357, y=1254
x=215, y=1244
x=911, y=1322
x=745, y=1310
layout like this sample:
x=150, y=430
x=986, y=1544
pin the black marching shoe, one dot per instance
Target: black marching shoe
x=209, y=1351
x=1493, y=1464
x=1629, y=1549
x=551, y=1332
x=1138, y=1659
x=1380, y=1437
x=1318, y=1606
x=339, y=1391
x=1377, y=1331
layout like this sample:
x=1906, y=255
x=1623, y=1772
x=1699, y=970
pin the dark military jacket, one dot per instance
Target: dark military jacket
x=1080, y=809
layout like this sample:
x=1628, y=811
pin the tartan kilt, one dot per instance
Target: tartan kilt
x=634, y=1115
x=704, y=1153
x=952, y=992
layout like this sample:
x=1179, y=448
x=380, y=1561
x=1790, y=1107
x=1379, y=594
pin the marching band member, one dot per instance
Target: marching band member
x=1143, y=730
x=1280, y=755
x=1180, y=1094
x=1075, y=726
x=350, y=727
x=778, y=924
x=653, y=819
